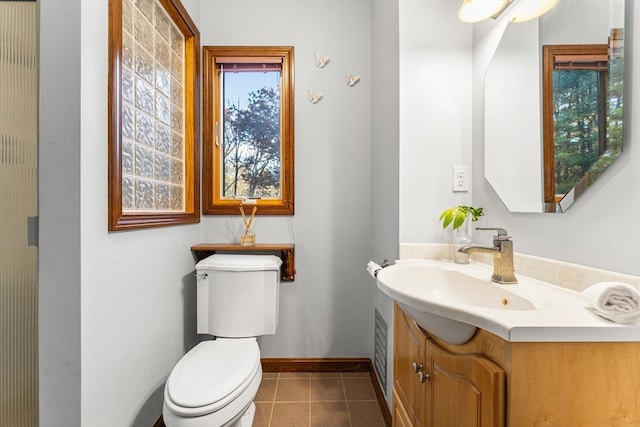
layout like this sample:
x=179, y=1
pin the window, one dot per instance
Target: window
x=248, y=129
x=153, y=114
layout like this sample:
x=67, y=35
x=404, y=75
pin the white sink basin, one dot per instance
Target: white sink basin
x=451, y=300
x=433, y=293
x=446, y=283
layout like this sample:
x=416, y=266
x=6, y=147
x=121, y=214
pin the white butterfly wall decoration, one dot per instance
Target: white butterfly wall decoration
x=314, y=97
x=321, y=61
x=352, y=79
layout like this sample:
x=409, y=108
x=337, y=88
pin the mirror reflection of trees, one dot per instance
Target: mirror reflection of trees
x=576, y=127
x=252, y=146
x=587, y=122
x=582, y=109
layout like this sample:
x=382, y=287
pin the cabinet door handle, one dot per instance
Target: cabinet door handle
x=423, y=377
x=416, y=367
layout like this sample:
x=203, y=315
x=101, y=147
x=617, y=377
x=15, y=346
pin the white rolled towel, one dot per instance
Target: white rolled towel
x=615, y=301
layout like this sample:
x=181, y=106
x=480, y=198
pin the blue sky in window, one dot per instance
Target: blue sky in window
x=238, y=85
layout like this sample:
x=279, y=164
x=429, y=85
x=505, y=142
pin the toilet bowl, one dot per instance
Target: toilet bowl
x=213, y=385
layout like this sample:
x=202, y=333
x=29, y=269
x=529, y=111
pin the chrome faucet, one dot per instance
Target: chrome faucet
x=502, y=251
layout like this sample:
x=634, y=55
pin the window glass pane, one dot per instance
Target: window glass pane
x=251, y=131
x=248, y=116
x=153, y=115
x=152, y=110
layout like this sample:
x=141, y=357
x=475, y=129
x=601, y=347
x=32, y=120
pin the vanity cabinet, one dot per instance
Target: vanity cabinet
x=434, y=387
x=409, y=358
x=489, y=381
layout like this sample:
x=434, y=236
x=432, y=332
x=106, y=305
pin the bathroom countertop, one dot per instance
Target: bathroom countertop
x=560, y=314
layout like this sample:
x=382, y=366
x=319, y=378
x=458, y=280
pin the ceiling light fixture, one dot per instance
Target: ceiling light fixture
x=473, y=11
x=526, y=10
x=478, y=10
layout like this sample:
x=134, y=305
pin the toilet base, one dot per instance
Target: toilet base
x=246, y=420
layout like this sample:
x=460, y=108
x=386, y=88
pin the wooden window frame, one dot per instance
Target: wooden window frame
x=213, y=203
x=127, y=220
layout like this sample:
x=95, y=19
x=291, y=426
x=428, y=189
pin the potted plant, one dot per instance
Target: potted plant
x=458, y=218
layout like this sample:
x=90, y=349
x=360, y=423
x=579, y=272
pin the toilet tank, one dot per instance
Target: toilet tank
x=238, y=295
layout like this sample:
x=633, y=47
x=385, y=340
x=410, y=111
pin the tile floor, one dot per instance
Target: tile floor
x=323, y=399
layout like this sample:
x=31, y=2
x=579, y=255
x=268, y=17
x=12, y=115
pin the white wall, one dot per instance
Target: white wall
x=384, y=153
x=59, y=209
x=600, y=229
x=327, y=311
x=435, y=114
x=137, y=295
x=117, y=310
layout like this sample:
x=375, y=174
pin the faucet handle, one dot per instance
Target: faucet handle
x=501, y=233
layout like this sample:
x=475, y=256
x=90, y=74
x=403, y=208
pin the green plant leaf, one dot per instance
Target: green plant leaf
x=457, y=215
x=475, y=213
x=447, y=217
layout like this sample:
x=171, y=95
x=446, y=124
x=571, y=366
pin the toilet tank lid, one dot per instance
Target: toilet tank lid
x=234, y=262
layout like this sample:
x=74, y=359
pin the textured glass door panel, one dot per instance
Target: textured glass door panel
x=18, y=200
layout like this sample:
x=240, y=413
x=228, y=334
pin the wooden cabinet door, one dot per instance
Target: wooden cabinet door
x=400, y=417
x=464, y=390
x=409, y=349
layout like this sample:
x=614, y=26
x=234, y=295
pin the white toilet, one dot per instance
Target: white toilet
x=214, y=384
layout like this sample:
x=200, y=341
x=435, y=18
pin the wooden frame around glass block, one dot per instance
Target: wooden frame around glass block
x=153, y=115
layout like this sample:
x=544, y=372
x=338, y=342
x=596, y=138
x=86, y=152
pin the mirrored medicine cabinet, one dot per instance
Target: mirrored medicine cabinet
x=554, y=105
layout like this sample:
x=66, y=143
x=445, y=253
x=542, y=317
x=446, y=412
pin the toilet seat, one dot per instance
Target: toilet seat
x=212, y=375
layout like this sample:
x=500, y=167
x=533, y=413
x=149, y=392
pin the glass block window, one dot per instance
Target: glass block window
x=152, y=120
x=153, y=147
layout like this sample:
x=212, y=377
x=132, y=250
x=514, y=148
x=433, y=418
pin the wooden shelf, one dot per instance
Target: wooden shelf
x=284, y=250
